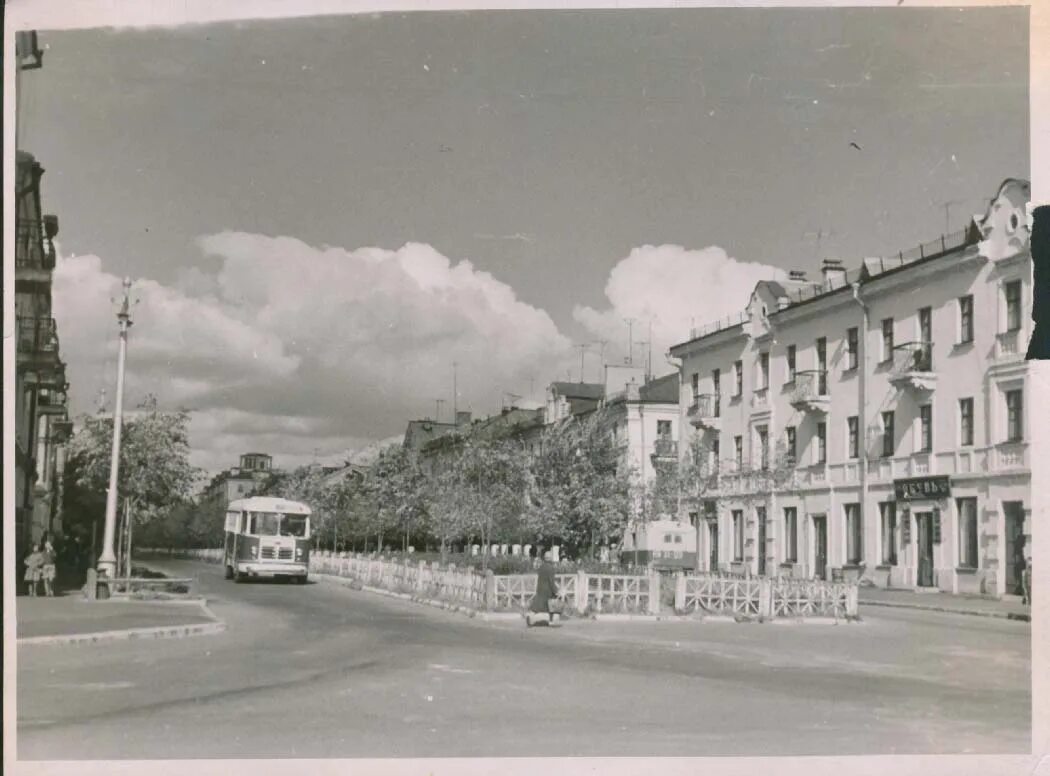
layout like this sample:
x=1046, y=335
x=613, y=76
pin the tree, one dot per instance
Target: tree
x=400, y=491
x=582, y=490
x=155, y=470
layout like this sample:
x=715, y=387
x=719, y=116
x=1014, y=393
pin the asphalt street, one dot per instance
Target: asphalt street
x=323, y=671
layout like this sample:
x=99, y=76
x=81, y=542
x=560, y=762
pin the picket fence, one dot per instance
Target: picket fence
x=582, y=592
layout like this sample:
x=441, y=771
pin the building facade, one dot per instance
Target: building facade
x=240, y=481
x=874, y=425
x=42, y=425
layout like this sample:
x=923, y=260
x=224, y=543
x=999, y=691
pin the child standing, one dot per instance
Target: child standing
x=34, y=564
x=47, y=569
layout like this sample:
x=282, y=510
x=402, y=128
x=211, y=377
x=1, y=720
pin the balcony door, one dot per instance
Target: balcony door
x=925, y=355
x=820, y=546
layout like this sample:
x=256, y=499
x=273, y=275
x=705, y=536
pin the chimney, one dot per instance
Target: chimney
x=832, y=270
x=462, y=418
x=797, y=275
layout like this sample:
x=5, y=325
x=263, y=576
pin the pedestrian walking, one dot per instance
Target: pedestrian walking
x=34, y=563
x=48, y=568
x=1026, y=584
x=546, y=587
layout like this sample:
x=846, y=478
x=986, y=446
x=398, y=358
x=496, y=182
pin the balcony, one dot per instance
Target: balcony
x=704, y=412
x=1009, y=346
x=810, y=393
x=913, y=367
x=34, y=244
x=37, y=336
x=52, y=401
x=665, y=449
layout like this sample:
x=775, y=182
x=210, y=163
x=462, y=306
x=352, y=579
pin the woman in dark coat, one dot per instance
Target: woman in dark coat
x=546, y=586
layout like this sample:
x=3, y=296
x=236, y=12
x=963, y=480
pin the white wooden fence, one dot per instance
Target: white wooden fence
x=766, y=597
x=752, y=597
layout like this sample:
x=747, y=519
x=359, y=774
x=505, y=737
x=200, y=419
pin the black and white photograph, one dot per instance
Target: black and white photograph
x=442, y=388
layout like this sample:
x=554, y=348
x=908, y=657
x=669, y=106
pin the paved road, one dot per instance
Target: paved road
x=324, y=671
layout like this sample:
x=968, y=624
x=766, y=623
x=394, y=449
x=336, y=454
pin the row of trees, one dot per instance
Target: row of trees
x=575, y=488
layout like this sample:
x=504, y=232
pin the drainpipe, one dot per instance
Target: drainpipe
x=862, y=423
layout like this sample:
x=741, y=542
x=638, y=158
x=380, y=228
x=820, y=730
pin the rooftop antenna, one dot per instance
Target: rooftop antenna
x=630, y=339
x=102, y=400
x=818, y=237
x=583, y=350
x=947, y=211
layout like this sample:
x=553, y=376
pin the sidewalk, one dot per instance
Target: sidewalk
x=944, y=602
x=71, y=618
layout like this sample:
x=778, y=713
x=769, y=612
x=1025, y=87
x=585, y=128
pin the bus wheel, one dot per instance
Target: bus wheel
x=229, y=572
x=239, y=577
x=301, y=580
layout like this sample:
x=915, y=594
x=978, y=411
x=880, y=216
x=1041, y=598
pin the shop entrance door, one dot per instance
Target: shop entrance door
x=820, y=547
x=924, y=548
x=712, y=534
x=1013, y=512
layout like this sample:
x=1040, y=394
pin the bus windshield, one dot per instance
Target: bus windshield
x=293, y=525
x=263, y=523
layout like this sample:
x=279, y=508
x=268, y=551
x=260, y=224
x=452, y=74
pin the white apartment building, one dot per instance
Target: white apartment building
x=890, y=400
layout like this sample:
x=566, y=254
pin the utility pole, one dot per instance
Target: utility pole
x=583, y=350
x=107, y=562
x=630, y=340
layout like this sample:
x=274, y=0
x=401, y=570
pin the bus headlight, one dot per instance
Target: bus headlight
x=255, y=550
x=298, y=552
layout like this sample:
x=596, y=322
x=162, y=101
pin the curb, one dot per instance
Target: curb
x=1018, y=616
x=161, y=632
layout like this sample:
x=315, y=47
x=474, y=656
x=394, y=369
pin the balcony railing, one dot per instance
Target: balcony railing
x=913, y=366
x=704, y=410
x=810, y=392
x=37, y=335
x=34, y=246
x=665, y=448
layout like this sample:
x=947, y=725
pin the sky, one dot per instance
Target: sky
x=322, y=215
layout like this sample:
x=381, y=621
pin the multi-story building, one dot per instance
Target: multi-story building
x=42, y=426
x=239, y=481
x=874, y=425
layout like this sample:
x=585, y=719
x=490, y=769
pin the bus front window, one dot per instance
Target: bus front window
x=293, y=525
x=264, y=524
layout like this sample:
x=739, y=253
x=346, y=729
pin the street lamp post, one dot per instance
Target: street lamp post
x=107, y=562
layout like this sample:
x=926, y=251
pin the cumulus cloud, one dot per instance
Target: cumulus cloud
x=675, y=288
x=289, y=348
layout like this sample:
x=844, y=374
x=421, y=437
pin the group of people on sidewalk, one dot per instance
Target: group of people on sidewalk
x=40, y=567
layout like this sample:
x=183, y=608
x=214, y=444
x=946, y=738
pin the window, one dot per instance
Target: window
x=965, y=319
x=790, y=535
x=716, y=388
x=853, y=442
x=822, y=443
x=739, y=443
x=763, y=370
x=791, y=363
x=667, y=538
x=1014, y=416
x=738, y=535
x=678, y=538
x=663, y=429
x=738, y=377
x=790, y=433
x=966, y=422
x=854, y=535
x=763, y=446
x=967, y=510
x=887, y=339
x=852, y=346
x=925, y=428
x=696, y=385
x=889, y=445
x=888, y=513
x=1013, y=305
x=716, y=453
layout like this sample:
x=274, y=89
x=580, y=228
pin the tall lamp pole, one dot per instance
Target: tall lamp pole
x=107, y=561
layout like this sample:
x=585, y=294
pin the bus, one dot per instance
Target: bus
x=267, y=537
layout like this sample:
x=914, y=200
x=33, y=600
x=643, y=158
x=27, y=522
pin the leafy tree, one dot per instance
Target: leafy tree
x=582, y=490
x=399, y=490
x=155, y=471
